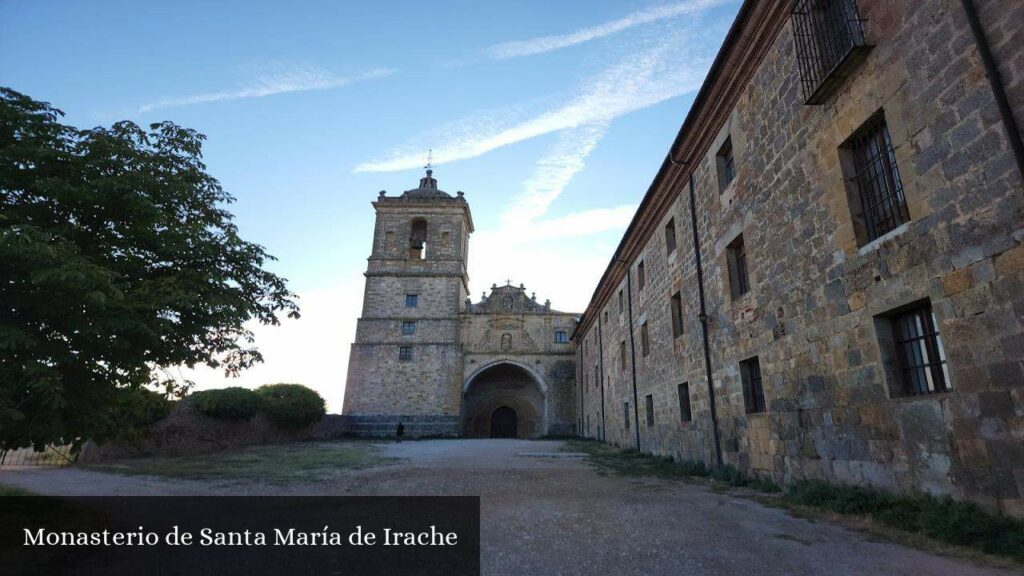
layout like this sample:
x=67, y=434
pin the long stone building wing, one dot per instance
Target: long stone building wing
x=826, y=277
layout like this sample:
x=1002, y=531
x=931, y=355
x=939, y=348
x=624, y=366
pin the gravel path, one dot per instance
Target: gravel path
x=547, y=513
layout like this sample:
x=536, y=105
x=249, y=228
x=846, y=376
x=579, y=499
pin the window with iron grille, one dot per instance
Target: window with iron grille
x=625, y=414
x=622, y=355
x=405, y=353
x=753, y=391
x=670, y=236
x=676, y=306
x=726, y=169
x=685, y=414
x=408, y=328
x=649, y=403
x=739, y=280
x=645, y=340
x=411, y=300
x=829, y=41
x=920, y=355
x=641, y=275
x=561, y=337
x=875, y=190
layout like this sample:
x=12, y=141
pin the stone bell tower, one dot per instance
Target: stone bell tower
x=406, y=362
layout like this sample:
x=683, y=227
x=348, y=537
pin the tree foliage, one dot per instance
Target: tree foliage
x=117, y=259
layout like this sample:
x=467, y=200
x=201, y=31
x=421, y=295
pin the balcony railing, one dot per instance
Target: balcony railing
x=829, y=40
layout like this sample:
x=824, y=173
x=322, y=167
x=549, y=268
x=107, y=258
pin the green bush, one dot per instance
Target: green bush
x=232, y=403
x=291, y=405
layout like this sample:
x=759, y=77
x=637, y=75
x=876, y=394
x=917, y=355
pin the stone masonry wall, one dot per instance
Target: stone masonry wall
x=815, y=314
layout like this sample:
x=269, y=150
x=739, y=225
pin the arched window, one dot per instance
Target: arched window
x=418, y=240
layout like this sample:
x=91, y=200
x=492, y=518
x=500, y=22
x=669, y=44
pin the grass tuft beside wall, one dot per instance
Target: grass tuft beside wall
x=941, y=518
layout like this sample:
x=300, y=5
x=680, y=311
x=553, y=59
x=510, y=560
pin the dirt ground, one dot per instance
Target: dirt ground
x=546, y=512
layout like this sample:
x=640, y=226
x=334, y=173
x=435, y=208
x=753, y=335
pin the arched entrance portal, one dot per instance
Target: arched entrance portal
x=503, y=401
x=504, y=423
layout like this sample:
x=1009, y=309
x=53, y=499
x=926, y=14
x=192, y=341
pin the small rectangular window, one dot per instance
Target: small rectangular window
x=739, y=281
x=597, y=378
x=625, y=413
x=670, y=236
x=676, y=307
x=921, y=357
x=405, y=353
x=641, y=276
x=622, y=355
x=411, y=300
x=684, y=403
x=753, y=390
x=649, y=403
x=876, y=197
x=561, y=337
x=408, y=328
x=606, y=316
x=645, y=342
x=621, y=306
x=726, y=168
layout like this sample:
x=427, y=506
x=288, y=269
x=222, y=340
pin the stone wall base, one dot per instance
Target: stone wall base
x=416, y=425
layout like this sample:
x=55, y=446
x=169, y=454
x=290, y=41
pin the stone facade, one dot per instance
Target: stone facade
x=822, y=299
x=426, y=356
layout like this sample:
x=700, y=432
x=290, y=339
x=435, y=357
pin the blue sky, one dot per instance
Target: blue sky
x=552, y=117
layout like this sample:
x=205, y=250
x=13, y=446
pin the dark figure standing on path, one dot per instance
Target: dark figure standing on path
x=399, y=433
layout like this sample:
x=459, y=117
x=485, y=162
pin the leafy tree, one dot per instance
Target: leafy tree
x=117, y=260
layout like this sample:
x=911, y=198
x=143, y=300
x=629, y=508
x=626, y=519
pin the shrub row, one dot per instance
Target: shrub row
x=290, y=405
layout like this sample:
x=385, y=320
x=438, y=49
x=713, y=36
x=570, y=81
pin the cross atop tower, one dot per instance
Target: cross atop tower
x=430, y=160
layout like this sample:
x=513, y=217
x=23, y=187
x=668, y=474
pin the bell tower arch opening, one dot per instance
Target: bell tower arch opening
x=503, y=400
x=418, y=239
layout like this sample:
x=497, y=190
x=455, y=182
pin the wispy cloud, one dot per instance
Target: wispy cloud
x=643, y=79
x=553, y=173
x=270, y=80
x=543, y=44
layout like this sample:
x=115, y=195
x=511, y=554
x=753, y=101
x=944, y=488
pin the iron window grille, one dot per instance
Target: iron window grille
x=411, y=300
x=737, y=256
x=561, y=337
x=880, y=205
x=829, y=42
x=408, y=328
x=753, y=390
x=670, y=236
x=405, y=354
x=685, y=413
x=922, y=359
